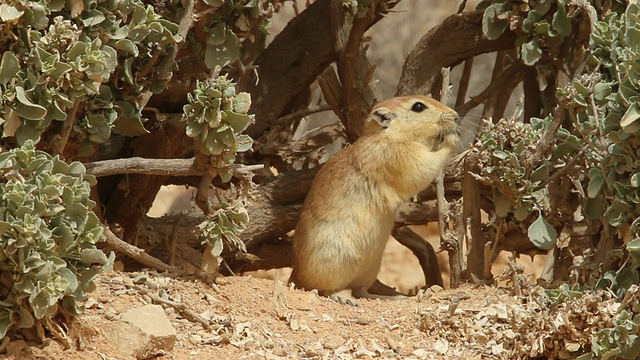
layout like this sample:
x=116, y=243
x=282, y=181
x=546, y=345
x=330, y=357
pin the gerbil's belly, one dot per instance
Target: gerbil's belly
x=345, y=252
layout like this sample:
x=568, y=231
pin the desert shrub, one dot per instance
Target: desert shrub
x=77, y=74
x=48, y=237
x=594, y=151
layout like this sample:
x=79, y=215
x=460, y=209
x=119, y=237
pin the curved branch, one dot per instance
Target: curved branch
x=458, y=38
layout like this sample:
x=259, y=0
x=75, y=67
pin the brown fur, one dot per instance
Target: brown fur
x=349, y=212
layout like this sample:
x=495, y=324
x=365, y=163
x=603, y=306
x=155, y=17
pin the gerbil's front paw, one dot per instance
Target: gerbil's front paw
x=343, y=300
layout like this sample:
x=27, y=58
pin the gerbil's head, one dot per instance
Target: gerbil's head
x=416, y=118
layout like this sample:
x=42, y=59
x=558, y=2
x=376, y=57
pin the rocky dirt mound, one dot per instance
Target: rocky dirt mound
x=255, y=318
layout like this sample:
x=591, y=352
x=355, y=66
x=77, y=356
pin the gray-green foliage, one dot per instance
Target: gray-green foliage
x=541, y=28
x=518, y=189
x=614, y=186
x=48, y=236
x=597, y=148
x=67, y=53
x=216, y=117
x=603, y=102
x=621, y=341
x=223, y=226
x=506, y=142
x=233, y=20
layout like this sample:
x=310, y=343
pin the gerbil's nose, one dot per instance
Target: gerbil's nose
x=451, y=116
x=456, y=117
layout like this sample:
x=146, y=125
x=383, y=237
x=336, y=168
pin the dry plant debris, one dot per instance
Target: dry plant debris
x=254, y=318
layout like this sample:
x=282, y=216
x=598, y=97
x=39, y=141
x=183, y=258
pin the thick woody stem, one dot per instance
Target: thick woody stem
x=471, y=216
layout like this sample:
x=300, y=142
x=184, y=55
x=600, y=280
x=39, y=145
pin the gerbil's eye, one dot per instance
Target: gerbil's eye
x=418, y=107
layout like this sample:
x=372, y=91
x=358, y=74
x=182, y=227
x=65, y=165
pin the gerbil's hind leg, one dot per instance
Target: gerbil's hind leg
x=379, y=288
x=340, y=299
x=362, y=293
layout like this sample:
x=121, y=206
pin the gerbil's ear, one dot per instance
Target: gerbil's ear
x=383, y=116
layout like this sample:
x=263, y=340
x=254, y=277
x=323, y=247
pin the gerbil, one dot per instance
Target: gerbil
x=349, y=211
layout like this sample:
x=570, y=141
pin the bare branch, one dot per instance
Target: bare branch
x=497, y=83
x=458, y=38
x=423, y=251
x=304, y=112
x=138, y=165
x=549, y=138
x=358, y=95
x=464, y=82
x=135, y=252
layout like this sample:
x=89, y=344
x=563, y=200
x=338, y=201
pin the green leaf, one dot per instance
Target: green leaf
x=492, y=26
x=127, y=66
x=26, y=320
x=238, y=122
x=242, y=103
x=77, y=49
x=9, y=13
x=502, y=155
x=27, y=109
x=213, y=144
x=60, y=69
x=225, y=175
x=542, y=7
x=601, y=91
x=92, y=17
x=216, y=248
x=587, y=356
x=618, y=212
x=634, y=181
x=531, y=52
x=127, y=46
x=194, y=129
x=542, y=234
x=214, y=3
x=128, y=122
x=227, y=137
x=634, y=245
x=36, y=16
x=503, y=204
x=541, y=173
x=629, y=121
x=561, y=23
x=91, y=256
x=221, y=55
x=596, y=183
x=521, y=212
x=245, y=142
x=9, y=67
x=217, y=34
